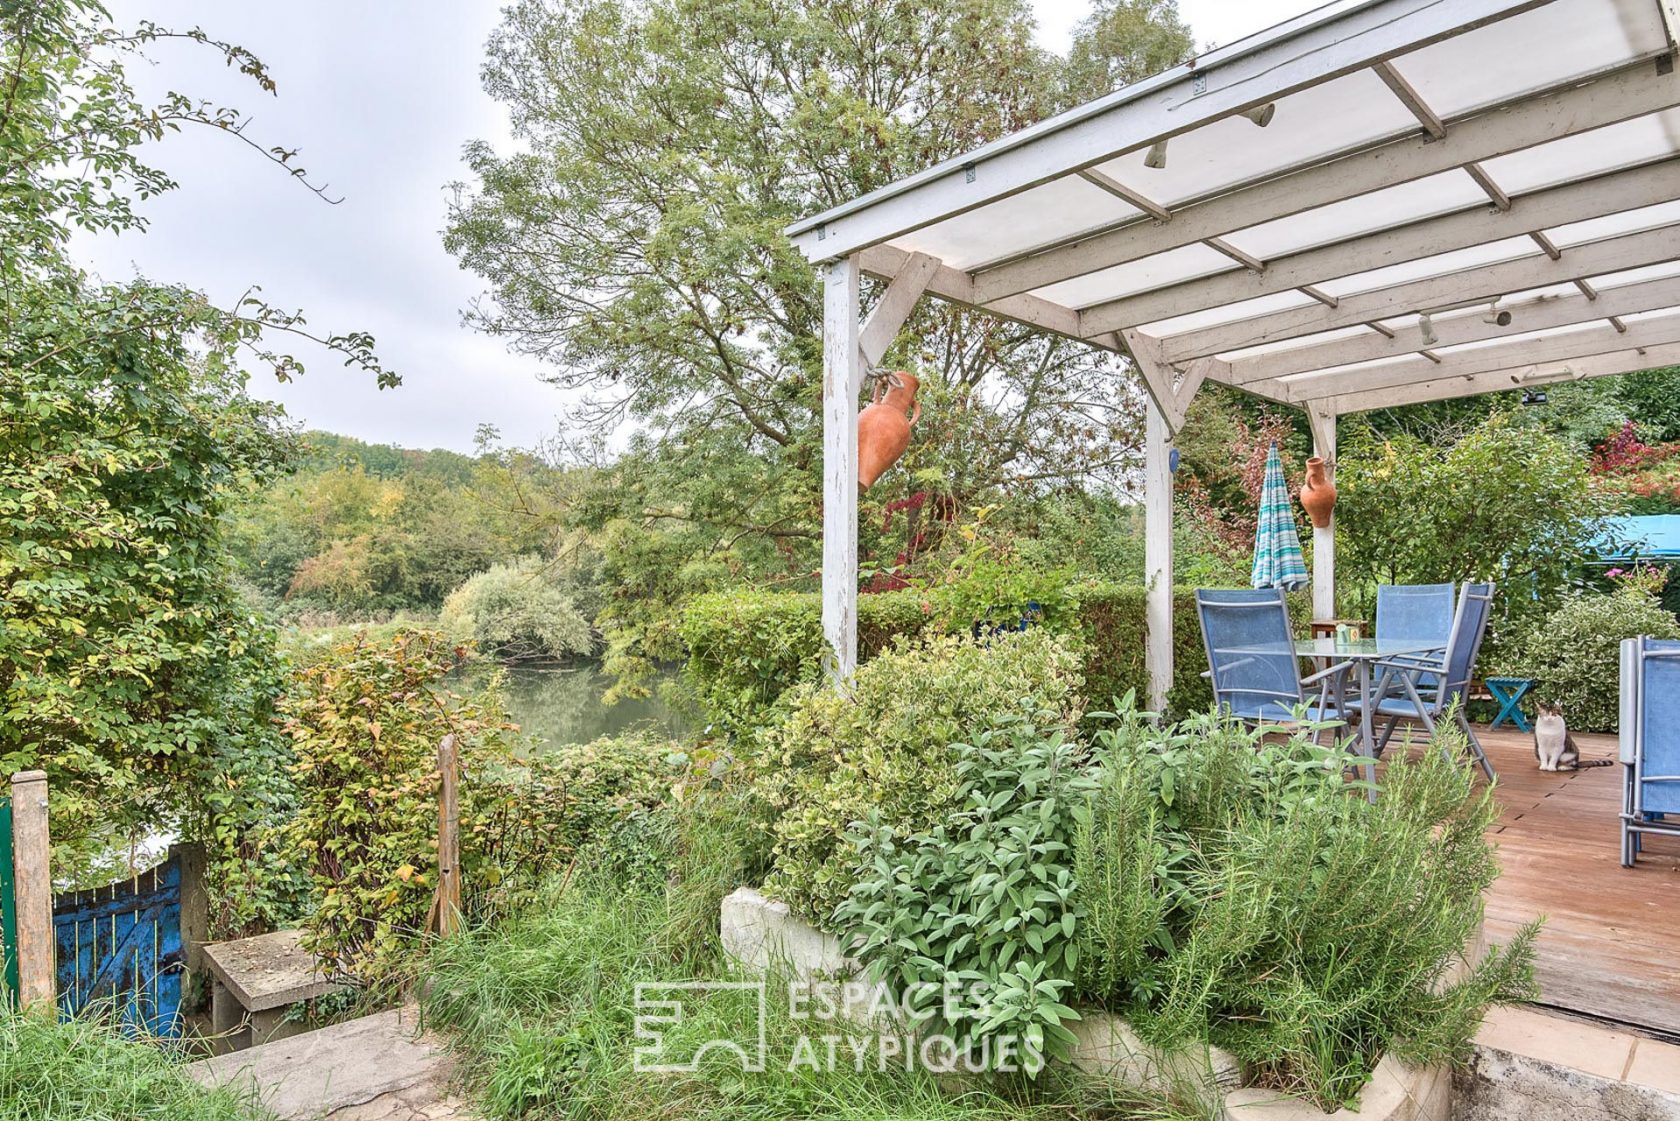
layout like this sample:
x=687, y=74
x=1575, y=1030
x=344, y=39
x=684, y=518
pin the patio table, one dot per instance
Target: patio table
x=1363, y=653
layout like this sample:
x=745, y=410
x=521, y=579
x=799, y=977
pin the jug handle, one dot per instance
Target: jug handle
x=916, y=413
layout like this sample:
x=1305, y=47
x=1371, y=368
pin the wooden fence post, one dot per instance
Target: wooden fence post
x=32, y=864
x=449, y=838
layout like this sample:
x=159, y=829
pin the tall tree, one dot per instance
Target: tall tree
x=634, y=240
x=1125, y=41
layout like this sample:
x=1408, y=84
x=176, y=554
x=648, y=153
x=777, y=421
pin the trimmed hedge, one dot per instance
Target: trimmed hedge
x=747, y=648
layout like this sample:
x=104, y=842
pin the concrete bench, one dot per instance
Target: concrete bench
x=254, y=981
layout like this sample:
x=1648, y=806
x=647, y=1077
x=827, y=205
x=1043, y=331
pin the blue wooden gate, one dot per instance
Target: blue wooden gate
x=120, y=951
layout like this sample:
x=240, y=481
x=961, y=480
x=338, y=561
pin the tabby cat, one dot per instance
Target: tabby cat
x=1553, y=745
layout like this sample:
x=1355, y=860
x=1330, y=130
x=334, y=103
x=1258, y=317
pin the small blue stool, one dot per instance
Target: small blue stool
x=1509, y=692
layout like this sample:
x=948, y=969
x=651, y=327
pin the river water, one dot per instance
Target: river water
x=563, y=705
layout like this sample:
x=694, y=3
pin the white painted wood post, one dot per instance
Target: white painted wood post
x=1158, y=553
x=1323, y=422
x=842, y=379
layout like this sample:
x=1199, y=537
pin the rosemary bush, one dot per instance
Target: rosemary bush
x=1239, y=892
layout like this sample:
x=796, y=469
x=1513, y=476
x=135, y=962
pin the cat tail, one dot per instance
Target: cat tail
x=1583, y=764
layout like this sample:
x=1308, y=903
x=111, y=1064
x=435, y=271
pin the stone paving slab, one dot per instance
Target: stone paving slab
x=351, y=1065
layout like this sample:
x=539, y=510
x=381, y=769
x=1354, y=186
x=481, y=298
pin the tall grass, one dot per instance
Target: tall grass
x=543, y=1008
x=82, y=1071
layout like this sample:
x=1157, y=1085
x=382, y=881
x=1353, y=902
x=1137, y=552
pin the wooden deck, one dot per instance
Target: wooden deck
x=1610, y=948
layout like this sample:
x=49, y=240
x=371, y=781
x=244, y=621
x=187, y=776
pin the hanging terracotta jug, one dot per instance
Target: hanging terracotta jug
x=1318, y=494
x=883, y=429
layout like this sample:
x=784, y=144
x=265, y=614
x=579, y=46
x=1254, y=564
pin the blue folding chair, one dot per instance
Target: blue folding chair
x=1452, y=671
x=1420, y=612
x=1252, y=664
x=1650, y=741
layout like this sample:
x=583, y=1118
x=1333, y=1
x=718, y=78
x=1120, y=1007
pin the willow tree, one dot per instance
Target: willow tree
x=632, y=238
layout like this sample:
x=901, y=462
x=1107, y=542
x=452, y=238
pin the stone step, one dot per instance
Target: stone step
x=1529, y=1064
x=383, y=1057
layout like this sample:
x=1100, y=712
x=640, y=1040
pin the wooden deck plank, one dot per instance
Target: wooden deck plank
x=1610, y=947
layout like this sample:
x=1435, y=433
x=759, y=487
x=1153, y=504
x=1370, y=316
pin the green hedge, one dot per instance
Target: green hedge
x=747, y=648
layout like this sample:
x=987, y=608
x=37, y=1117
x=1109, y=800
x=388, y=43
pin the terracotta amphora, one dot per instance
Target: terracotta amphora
x=1318, y=494
x=883, y=428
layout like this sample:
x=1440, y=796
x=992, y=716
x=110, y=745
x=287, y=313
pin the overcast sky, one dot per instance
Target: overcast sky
x=381, y=95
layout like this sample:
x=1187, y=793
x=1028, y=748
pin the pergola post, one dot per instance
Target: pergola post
x=1158, y=553
x=842, y=380
x=1322, y=419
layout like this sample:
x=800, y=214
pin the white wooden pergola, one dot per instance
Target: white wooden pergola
x=1378, y=203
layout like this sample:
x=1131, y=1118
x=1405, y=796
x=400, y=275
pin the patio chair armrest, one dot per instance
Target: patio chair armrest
x=1338, y=668
x=1413, y=667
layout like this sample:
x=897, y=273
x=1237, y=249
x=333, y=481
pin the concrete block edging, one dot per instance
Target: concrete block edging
x=757, y=931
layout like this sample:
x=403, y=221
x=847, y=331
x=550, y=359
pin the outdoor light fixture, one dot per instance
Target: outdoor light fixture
x=1427, y=326
x=1157, y=156
x=1534, y=397
x=1262, y=114
x=1496, y=317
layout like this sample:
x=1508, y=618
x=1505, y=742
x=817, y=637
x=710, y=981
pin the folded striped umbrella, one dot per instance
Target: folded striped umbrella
x=1277, y=549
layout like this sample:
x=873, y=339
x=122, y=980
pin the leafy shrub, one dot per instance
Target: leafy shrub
x=1242, y=893
x=746, y=649
x=80, y=1069
x=365, y=722
x=1573, y=653
x=885, y=746
x=986, y=897
x=1502, y=501
x=528, y=818
x=517, y=612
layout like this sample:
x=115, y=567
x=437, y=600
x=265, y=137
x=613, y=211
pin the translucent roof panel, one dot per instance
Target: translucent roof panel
x=1476, y=256
x=1174, y=267
x=1669, y=313
x=1230, y=313
x=1614, y=225
x=1296, y=344
x=1637, y=276
x=1020, y=223
x=1347, y=113
x=1641, y=140
x=1356, y=217
x=1562, y=40
x=1392, y=206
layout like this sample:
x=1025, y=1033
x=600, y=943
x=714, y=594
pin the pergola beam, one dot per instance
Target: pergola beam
x=1483, y=359
x=1411, y=99
x=1169, y=390
x=885, y=261
x=1596, y=258
x=1541, y=210
x=894, y=307
x=1521, y=123
x=1528, y=376
x=1321, y=418
x=1526, y=316
x=1304, y=52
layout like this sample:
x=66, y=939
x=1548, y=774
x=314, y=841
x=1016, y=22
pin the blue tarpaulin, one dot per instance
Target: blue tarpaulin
x=1647, y=536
